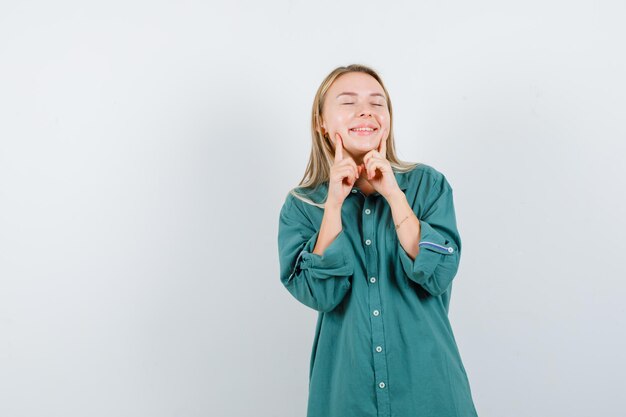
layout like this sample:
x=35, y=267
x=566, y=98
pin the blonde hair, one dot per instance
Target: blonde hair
x=322, y=152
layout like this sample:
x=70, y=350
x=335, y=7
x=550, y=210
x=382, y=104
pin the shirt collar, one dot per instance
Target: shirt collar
x=319, y=192
x=401, y=178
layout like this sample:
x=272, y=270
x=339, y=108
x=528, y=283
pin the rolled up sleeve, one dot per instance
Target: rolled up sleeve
x=437, y=261
x=318, y=281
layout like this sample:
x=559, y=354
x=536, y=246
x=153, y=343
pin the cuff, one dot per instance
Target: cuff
x=433, y=248
x=334, y=262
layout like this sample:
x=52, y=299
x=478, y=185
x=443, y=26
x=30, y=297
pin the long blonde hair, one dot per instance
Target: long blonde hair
x=322, y=152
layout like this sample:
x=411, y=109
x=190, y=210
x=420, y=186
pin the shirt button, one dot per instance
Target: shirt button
x=376, y=312
x=450, y=250
x=354, y=190
x=367, y=211
x=382, y=385
x=373, y=280
x=379, y=349
x=368, y=242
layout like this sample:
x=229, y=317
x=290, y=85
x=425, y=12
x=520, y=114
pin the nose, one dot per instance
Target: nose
x=365, y=112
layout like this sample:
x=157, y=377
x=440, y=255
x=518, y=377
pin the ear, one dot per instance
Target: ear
x=323, y=128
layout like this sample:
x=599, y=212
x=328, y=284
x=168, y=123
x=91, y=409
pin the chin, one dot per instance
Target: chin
x=366, y=146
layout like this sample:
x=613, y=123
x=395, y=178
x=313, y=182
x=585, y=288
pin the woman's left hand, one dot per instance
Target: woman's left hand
x=384, y=182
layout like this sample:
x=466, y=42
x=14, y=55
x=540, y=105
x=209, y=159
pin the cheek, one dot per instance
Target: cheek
x=341, y=121
x=336, y=119
x=383, y=120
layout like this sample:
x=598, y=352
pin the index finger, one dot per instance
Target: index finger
x=382, y=148
x=338, y=148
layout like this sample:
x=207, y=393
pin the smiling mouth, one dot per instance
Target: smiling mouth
x=363, y=131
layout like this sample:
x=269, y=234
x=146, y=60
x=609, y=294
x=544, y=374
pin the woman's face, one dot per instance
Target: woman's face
x=354, y=100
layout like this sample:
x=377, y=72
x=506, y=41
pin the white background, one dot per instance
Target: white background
x=147, y=147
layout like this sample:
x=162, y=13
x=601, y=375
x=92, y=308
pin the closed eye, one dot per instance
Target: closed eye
x=373, y=104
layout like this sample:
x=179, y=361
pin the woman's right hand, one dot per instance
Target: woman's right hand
x=344, y=168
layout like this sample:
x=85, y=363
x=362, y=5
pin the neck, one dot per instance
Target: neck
x=362, y=180
x=358, y=159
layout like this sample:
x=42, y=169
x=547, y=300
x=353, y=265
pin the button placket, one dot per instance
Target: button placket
x=369, y=222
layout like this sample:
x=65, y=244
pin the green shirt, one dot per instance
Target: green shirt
x=383, y=343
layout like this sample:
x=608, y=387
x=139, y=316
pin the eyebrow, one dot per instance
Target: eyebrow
x=349, y=93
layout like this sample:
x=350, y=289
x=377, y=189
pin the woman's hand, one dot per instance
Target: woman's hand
x=342, y=169
x=376, y=160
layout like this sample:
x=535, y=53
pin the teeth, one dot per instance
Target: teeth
x=363, y=129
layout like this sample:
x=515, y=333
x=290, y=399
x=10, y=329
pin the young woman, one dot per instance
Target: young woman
x=371, y=243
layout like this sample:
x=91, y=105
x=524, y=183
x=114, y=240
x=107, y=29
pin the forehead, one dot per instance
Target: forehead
x=356, y=82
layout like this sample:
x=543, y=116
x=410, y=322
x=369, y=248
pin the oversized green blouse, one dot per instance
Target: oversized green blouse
x=383, y=343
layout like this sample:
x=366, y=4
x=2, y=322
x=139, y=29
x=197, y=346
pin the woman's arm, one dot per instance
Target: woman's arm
x=318, y=280
x=429, y=248
x=331, y=226
x=409, y=226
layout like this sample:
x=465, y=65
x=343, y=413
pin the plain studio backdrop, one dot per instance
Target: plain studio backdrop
x=147, y=147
